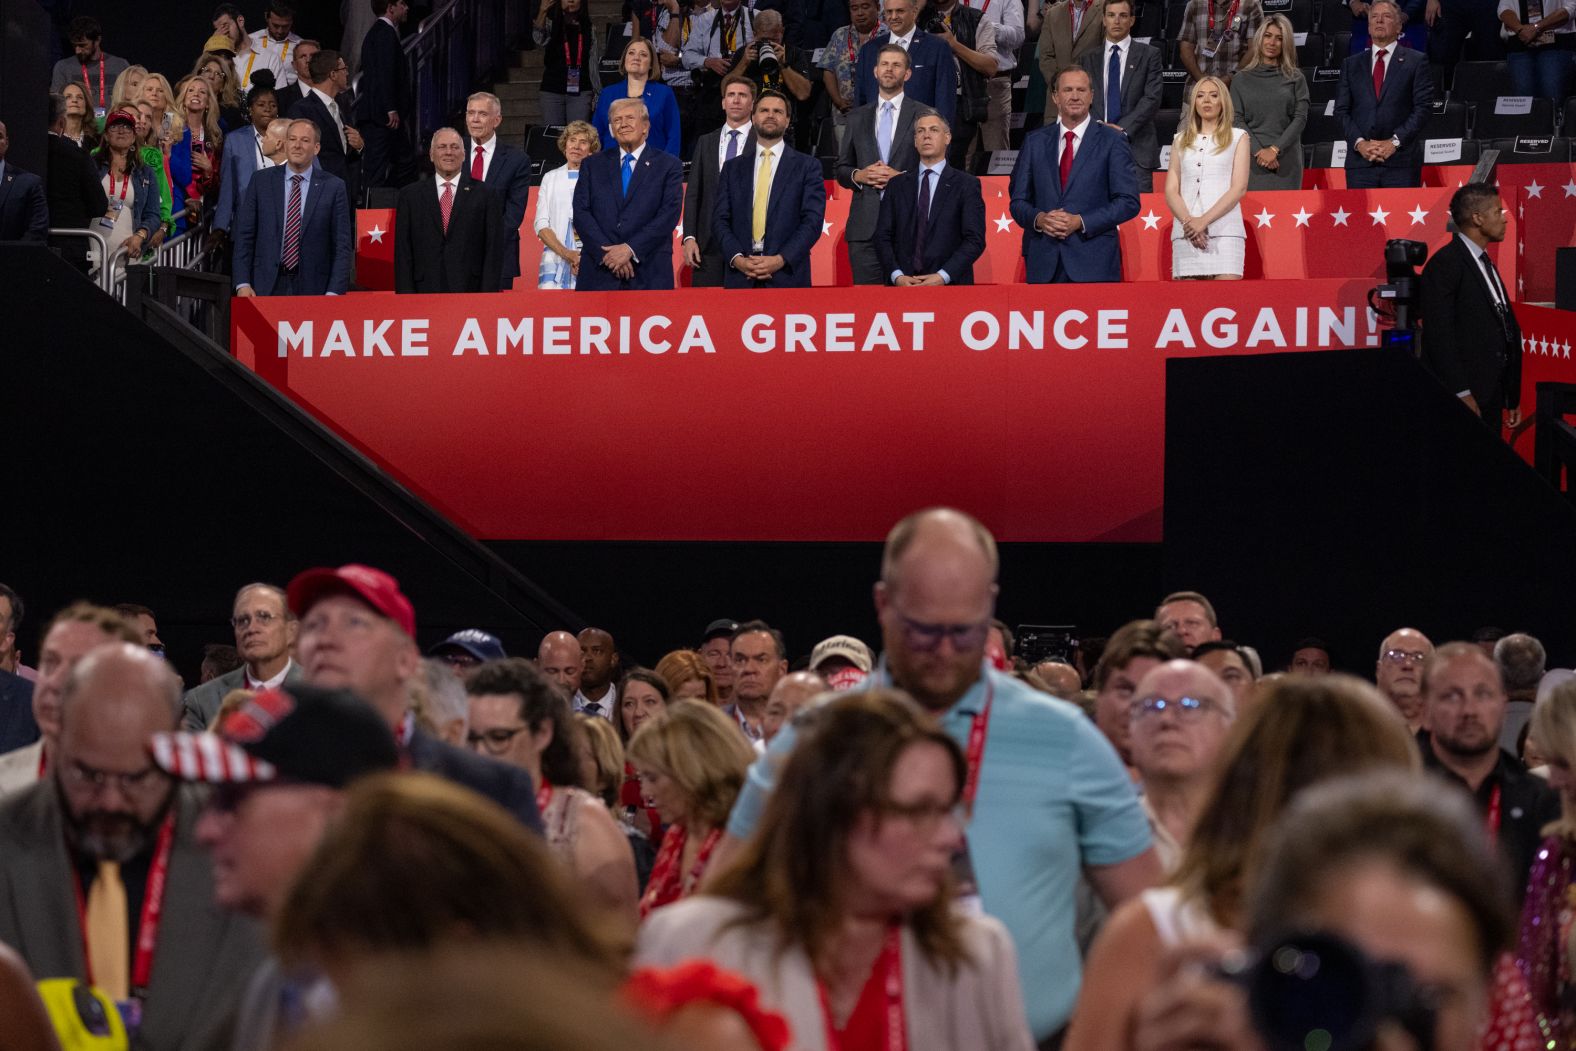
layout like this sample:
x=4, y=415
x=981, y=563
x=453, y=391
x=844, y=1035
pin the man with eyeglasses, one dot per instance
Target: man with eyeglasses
x=265, y=636
x=1045, y=796
x=1133, y=651
x=101, y=878
x=1399, y=672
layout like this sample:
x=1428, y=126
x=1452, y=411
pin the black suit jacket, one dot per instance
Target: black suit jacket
x=1401, y=110
x=700, y=192
x=1463, y=343
x=1141, y=91
x=793, y=215
x=332, y=155
x=509, y=179
x=1526, y=804
x=463, y=260
x=508, y=786
x=954, y=238
x=76, y=197
x=24, y=211
x=17, y=728
x=385, y=82
x=860, y=149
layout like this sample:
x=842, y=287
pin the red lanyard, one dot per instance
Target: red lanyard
x=854, y=43
x=125, y=185
x=544, y=796
x=890, y=966
x=1231, y=13
x=983, y=9
x=580, y=48
x=152, y=912
x=975, y=755
x=666, y=885
x=89, y=83
x=1491, y=823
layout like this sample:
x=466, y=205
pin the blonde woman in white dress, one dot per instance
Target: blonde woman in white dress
x=1210, y=164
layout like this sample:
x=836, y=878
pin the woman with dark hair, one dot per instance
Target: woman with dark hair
x=81, y=127
x=133, y=194
x=520, y=718
x=841, y=907
x=649, y=699
x=564, y=33
x=247, y=152
x=641, y=80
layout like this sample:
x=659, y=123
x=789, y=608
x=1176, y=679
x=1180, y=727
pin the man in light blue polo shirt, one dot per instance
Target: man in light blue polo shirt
x=1053, y=799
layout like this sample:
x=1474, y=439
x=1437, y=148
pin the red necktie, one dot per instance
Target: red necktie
x=1379, y=72
x=1067, y=157
x=446, y=204
x=476, y=165
x=291, y=256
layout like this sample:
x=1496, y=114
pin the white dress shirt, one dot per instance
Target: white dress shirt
x=333, y=111
x=1078, y=137
x=935, y=184
x=902, y=41
x=607, y=707
x=269, y=684
x=488, y=148
x=263, y=43
x=1123, y=46
x=722, y=142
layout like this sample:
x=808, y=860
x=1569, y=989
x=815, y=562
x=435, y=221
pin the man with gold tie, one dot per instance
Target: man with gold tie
x=771, y=206
x=102, y=880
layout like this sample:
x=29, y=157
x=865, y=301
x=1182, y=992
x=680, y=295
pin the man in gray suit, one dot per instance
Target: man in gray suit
x=265, y=633
x=736, y=137
x=1131, y=107
x=878, y=145
x=101, y=879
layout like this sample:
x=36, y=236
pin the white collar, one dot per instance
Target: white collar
x=487, y=147
x=1122, y=44
x=453, y=180
x=328, y=99
x=1078, y=130
x=636, y=152
x=744, y=128
x=938, y=168
x=905, y=40
x=896, y=100
x=268, y=684
x=1390, y=49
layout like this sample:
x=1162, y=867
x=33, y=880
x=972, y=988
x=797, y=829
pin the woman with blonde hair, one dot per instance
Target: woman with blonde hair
x=219, y=72
x=1270, y=97
x=158, y=94
x=128, y=87
x=195, y=156
x=1548, y=922
x=688, y=676
x=1204, y=188
x=555, y=202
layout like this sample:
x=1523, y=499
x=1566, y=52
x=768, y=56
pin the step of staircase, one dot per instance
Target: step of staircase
x=520, y=87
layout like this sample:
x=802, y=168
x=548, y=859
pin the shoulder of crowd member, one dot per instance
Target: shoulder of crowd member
x=685, y=929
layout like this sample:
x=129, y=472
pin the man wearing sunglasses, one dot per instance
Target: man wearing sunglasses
x=265, y=633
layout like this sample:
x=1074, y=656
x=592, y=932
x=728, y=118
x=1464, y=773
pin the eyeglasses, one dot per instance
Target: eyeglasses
x=1404, y=656
x=80, y=775
x=496, y=742
x=263, y=618
x=1188, y=709
x=925, y=816
x=926, y=638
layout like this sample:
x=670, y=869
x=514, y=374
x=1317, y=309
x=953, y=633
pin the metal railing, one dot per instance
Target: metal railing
x=184, y=251
x=1554, y=439
x=456, y=47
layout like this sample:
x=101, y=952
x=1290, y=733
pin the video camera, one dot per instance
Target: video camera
x=1397, y=298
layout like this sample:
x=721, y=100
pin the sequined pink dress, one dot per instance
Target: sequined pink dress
x=1543, y=954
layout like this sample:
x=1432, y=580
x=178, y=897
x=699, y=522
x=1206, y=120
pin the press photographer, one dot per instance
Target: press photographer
x=774, y=65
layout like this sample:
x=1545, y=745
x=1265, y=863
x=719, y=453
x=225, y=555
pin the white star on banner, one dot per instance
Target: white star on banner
x=1151, y=220
x=1003, y=223
x=1380, y=216
x=1565, y=350
x=1534, y=190
x=1302, y=215
x=1526, y=344
x=1418, y=215
x=678, y=231
x=1340, y=215
x=375, y=235
x=1543, y=347
x=826, y=228
x=1570, y=188
x=1264, y=218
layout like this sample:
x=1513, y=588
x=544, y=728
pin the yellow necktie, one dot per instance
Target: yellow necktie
x=763, y=190
x=109, y=937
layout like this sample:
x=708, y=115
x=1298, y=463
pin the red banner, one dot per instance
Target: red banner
x=1548, y=338
x=770, y=415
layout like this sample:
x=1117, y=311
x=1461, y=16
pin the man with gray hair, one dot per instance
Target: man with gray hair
x=1383, y=98
x=446, y=231
x=1522, y=662
x=442, y=703
x=101, y=874
x=294, y=235
x=503, y=169
x=265, y=633
x=627, y=204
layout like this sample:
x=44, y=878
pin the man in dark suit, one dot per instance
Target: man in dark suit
x=771, y=206
x=503, y=169
x=445, y=230
x=933, y=71
x=295, y=237
x=702, y=250
x=932, y=224
x=358, y=632
x=301, y=66
x=383, y=98
x=89, y=844
x=265, y=633
x=1073, y=185
x=340, y=142
x=877, y=145
x=627, y=204
x=76, y=196
x=24, y=210
x=18, y=728
x=1471, y=340
x=1383, y=98
x=1125, y=77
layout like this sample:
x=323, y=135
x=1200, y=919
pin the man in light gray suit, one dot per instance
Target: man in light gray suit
x=265, y=633
x=878, y=145
x=1131, y=108
x=101, y=859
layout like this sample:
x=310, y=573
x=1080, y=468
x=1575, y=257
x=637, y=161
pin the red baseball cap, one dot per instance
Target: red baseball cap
x=372, y=586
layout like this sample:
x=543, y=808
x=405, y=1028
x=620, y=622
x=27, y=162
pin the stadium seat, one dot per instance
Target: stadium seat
x=1150, y=21
x=1568, y=117
x=1486, y=124
x=1172, y=88
x=1323, y=83
x=1322, y=127
x=1478, y=81
x=1166, y=121
x=1174, y=12
x=1559, y=152
x=541, y=146
x=1320, y=155
x=1449, y=121
x=1334, y=16
x=1313, y=49
x=1340, y=45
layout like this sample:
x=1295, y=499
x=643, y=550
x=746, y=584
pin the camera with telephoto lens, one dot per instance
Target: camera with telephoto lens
x=933, y=21
x=767, y=60
x=1319, y=992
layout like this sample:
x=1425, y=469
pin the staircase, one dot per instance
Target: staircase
x=519, y=89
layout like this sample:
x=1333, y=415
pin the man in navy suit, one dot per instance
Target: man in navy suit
x=627, y=203
x=18, y=729
x=1384, y=96
x=1073, y=185
x=934, y=72
x=505, y=170
x=294, y=235
x=341, y=143
x=383, y=96
x=24, y=210
x=1131, y=98
x=932, y=223
x=771, y=206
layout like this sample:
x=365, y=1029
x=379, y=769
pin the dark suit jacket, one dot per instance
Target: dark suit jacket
x=1526, y=804
x=1405, y=105
x=17, y=728
x=793, y=215
x=463, y=260
x=508, y=786
x=385, y=81
x=1463, y=343
x=644, y=220
x=935, y=73
x=1141, y=90
x=955, y=236
x=1102, y=188
x=76, y=197
x=201, y=703
x=204, y=955
x=328, y=237
x=332, y=155
x=701, y=189
x=860, y=150
x=509, y=179
x=24, y=211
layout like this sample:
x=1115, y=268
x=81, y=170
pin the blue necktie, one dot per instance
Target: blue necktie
x=733, y=145
x=1113, y=86
x=884, y=132
x=629, y=171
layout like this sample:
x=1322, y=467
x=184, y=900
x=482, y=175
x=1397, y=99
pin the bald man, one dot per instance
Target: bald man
x=561, y=659
x=1062, y=678
x=448, y=230
x=791, y=693
x=1399, y=672
x=599, y=669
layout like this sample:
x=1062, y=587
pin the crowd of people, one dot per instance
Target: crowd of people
x=929, y=843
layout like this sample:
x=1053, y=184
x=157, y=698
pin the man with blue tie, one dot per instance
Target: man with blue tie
x=1073, y=185
x=1383, y=98
x=293, y=232
x=934, y=80
x=878, y=144
x=627, y=203
x=1125, y=76
x=702, y=253
x=771, y=207
x=932, y=225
